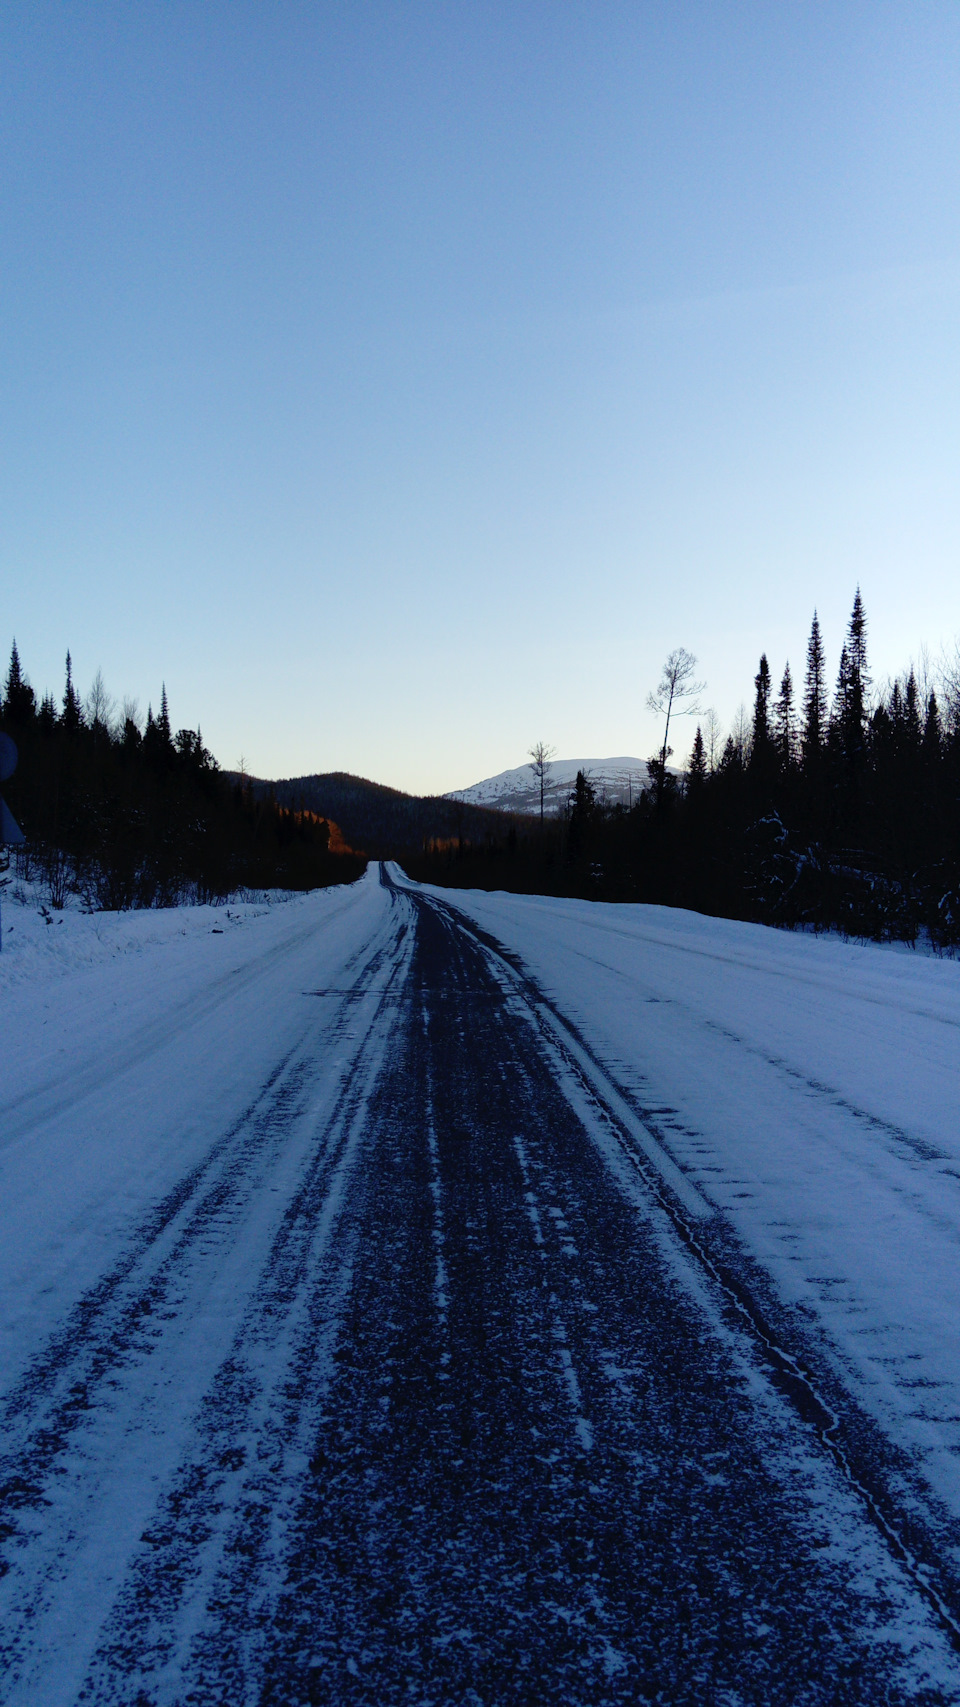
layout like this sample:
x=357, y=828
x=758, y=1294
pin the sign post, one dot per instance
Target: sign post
x=10, y=830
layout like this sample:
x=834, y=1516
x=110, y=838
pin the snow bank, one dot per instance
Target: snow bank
x=40, y=943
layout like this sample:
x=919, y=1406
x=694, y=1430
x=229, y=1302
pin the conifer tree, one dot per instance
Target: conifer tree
x=931, y=765
x=761, y=704
x=841, y=697
x=853, y=682
x=857, y=646
x=583, y=798
x=14, y=678
x=152, y=742
x=697, y=766
x=814, y=699
x=784, y=733
x=763, y=757
x=895, y=713
x=731, y=759
x=72, y=714
x=19, y=702
x=912, y=727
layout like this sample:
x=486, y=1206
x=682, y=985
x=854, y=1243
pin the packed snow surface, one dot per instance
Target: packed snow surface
x=809, y=1088
x=518, y=790
x=340, y=1233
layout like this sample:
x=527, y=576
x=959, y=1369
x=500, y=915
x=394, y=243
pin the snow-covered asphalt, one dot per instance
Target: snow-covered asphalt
x=419, y=1297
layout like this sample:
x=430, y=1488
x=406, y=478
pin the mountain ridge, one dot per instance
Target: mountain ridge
x=378, y=819
x=616, y=780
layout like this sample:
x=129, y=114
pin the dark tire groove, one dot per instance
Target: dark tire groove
x=459, y=1543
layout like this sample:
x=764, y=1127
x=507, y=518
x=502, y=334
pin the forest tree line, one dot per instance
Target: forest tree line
x=386, y=822
x=826, y=809
x=126, y=812
x=831, y=810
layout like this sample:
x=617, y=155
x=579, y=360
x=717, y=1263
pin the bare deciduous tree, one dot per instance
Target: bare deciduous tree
x=99, y=705
x=742, y=734
x=676, y=695
x=540, y=757
x=948, y=674
x=712, y=737
x=925, y=673
x=632, y=782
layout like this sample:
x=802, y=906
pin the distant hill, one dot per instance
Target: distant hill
x=381, y=821
x=519, y=791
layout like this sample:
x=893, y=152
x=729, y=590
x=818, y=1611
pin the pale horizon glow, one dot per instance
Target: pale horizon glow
x=400, y=385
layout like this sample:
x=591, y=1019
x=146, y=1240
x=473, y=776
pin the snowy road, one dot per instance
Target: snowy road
x=372, y=1334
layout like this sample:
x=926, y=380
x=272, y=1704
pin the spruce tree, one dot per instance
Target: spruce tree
x=19, y=702
x=72, y=714
x=912, y=726
x=152, y=743
x=731, y=759
x=583, y=797
x=857, y=645
x=841, y=697
x=763, y=753
x=853, y=683
x=848, y=734
x=784, y=733
x=895, y=713
x=697, y=766
x=761, y=705
x=931, y=770
x=814, y=700
x=14, y=679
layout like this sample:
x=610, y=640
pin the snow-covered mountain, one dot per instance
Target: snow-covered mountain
x=519, y=791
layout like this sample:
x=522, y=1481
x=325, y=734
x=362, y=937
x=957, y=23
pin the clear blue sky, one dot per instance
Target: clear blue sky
x=400, y=382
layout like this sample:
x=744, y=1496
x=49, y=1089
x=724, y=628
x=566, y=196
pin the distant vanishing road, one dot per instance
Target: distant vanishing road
x=374, y=1350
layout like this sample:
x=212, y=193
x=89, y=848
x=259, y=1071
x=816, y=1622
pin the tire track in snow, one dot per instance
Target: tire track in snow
x=101, y=1416
x=23, y=1113
x=919, y=1536
x=383, y=1492
x=461, y=1537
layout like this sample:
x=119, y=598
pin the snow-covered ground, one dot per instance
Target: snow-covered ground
x=184, y=1103
x=41, y=942
x=809, y=1090
x=134, y=1038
